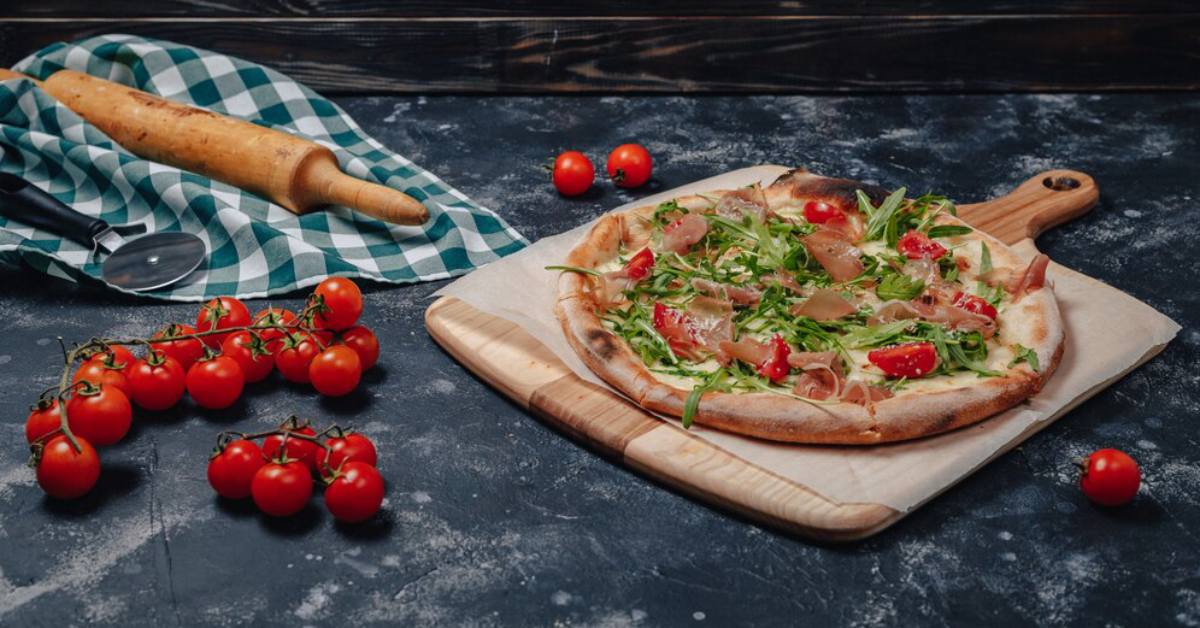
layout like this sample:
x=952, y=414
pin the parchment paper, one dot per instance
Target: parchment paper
x=1108, y=334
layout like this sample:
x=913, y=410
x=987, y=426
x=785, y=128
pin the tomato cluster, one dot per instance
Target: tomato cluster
x=279, y=475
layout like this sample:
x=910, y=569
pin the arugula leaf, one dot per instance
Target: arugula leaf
x=859, y=337
x=946, y=231
x=897, y=286
x=985, y=267
x=576, y=269
x=693, y=399
x=1025, y=354
x=878, y=218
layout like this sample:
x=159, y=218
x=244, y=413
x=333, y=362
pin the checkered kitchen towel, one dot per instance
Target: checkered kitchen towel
x=256, y=248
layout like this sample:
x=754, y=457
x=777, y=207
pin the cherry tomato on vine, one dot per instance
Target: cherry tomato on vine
x=573, y=173
x=101, y=414
x=352, y=447
x=1110, y=477
x=281, y=489
x=221, y=313
x=157, y=386
x=273, y=316
x=251, y=354
x=43, y=419
x=629, y=165
x=232, y=471
x=187, y=351
x=65, y=473
x=298, y=449
x=296, y=353
x=98, y=370
x=364, y=343
x=120, y=355
x=356, y=493
x=335, y=371
x=215, y=383
x=913, y=359
x=343, y=300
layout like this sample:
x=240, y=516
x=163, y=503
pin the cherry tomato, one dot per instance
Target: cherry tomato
x=157, y=386
x=215, y=383
x=274, y=316
x=120, y=355
x=913, y=359
x=915, y=245
x=629, y=165
x=232, y=471
x=295, y=355
x=251, y=354
x=1110, y=478
x=972, y=303
x=101, y=414
x=221, y=313
x=573, y=173
x=675, y=326
x=281, y=489
x=364, y=343
x=187, y=351
x=351, y=447
x=819, y=213
x=98, y=370
x=298, y=449
x=335, y=371
x=43, y=419
x=639, y=266
x=356, y=493
x=776, y=367
x=343, y=300
x=65, y=473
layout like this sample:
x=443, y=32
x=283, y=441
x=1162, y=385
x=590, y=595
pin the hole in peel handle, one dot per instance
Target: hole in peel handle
x=26, y=203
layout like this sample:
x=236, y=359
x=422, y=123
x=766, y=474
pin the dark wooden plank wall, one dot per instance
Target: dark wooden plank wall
x=783, y=46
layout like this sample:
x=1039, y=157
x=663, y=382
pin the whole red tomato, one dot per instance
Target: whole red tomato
x=1110, y=477
x=120, y=355
x=335, y=371
x=573, y=173
x=343, y=303
x=101, y=414
x=102, y=369
x=349, y=448
x=819, y=213
x=298, y=449
x=158, y=382
x=44, y=418
x=629, y=165
x=221, y=313
x=281, y=489
x=274, y=316
x=296, y=353
x=232, y=471
x=65, y=473
x=251, y=354
x=215, y=383
x=356, y=493
x=186, y=351
x=364, y=343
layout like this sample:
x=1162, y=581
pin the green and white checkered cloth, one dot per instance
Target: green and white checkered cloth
x=255, y=248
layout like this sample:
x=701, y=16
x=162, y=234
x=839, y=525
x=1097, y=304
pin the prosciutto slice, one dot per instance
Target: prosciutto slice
x=742, y=202
x=824, y=305
x=680, y=236
x=863, y=394
x=945, y=314
x=711, y=322
x=741, y=295
x=787, y=280
x=1032, y=278
x=835, y=253
x=747, y=350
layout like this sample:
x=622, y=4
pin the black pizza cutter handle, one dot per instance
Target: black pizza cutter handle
x=24, y=202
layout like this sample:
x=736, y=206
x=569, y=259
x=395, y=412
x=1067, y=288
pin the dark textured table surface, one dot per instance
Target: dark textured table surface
x=494, y=519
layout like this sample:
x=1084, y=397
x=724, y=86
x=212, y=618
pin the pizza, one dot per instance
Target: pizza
x=811, y=310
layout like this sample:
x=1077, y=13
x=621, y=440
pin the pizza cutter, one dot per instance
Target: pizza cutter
x=144, y=262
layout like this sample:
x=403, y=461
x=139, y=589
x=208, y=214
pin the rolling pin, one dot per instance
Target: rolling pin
x=295, y=173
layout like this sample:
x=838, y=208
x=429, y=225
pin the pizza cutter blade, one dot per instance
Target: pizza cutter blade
x=145, y=262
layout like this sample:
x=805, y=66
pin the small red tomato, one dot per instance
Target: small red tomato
x=43, y=419
x=351, y=447
x=231, y=472
x=364, y=343
x=343, y=303
x=100, y=414
x=639, y=266
x=298, y=449
x=776, y=366
x=335, y=371
x=119, y=354
x=972, y=303
x=274, y=316
x=215, y=383
x=186, y=351
x=157, y=384
x=221, y=313
x=573, y=173
x=910, y=360
x=356, y=493
x=629, y=165
x=251, y=354
x=65, y=473
x=819, y=213
x=103, y=370
x=674, y=325
x=1110, y=477
x=295, y=354
x=281, y=489
x=915, y=245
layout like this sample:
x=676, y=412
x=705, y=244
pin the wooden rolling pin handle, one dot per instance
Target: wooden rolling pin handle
x=9, y=74
x=323, y=183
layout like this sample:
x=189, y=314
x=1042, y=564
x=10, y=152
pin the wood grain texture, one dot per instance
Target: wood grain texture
x=789, y=54
x=1044, y=201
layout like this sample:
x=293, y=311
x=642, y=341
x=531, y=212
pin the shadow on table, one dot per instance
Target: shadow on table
x=116, y=480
